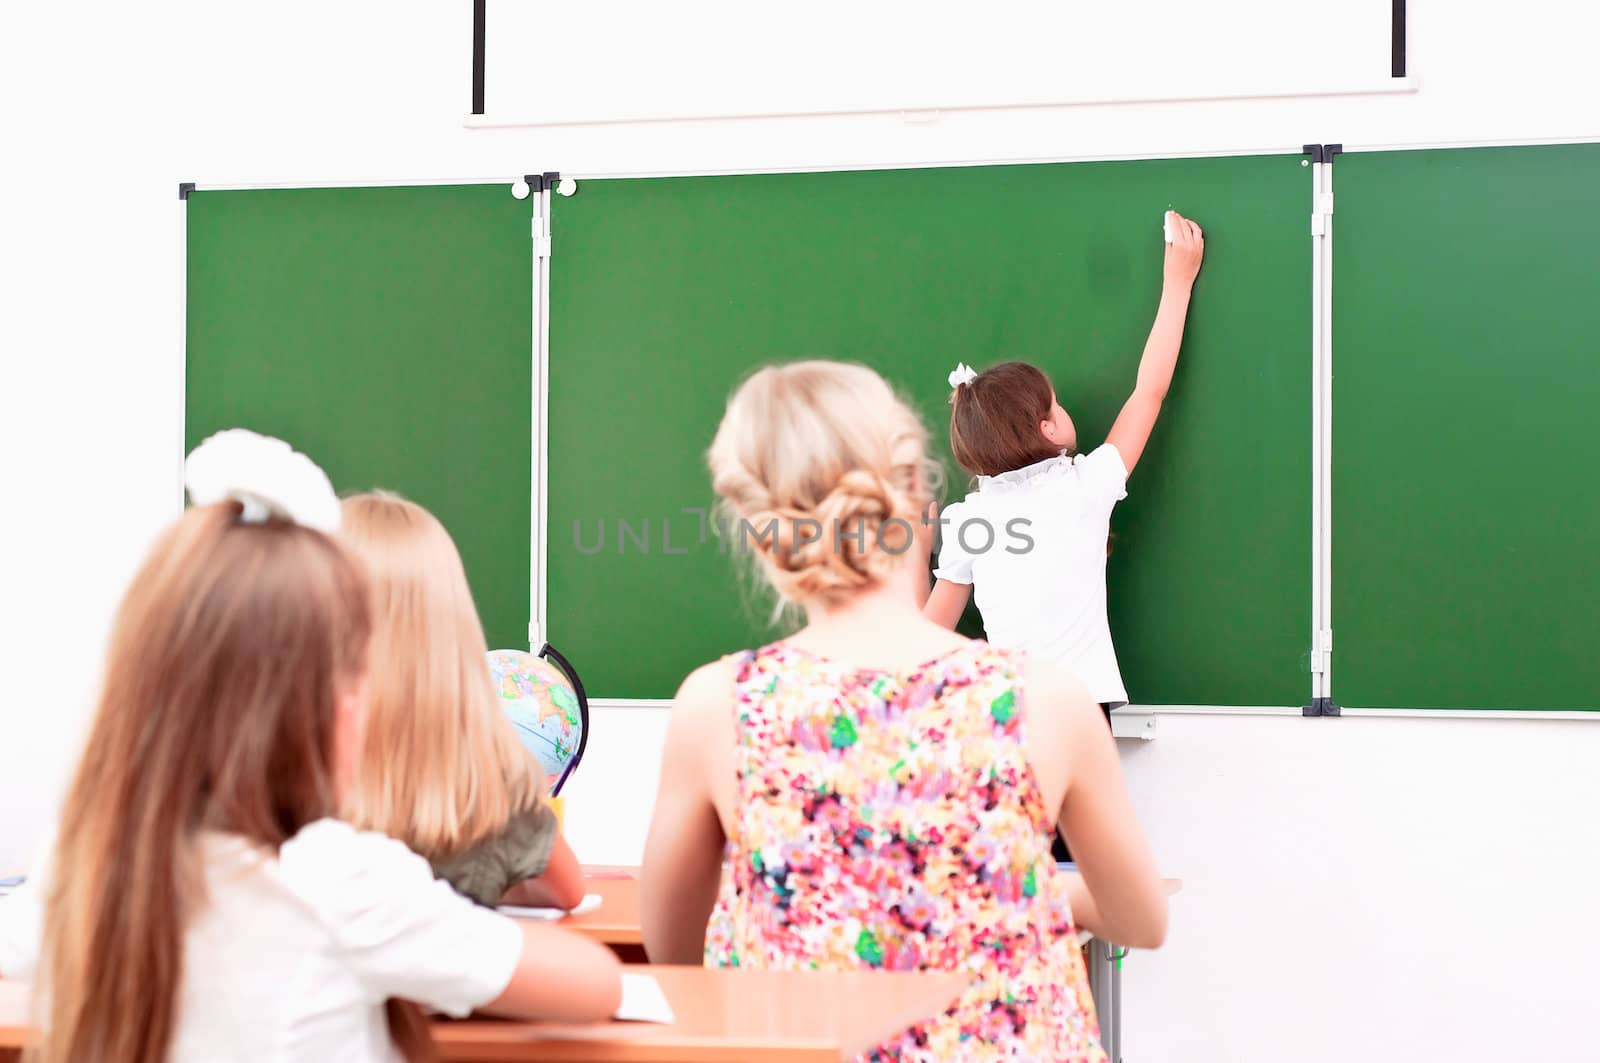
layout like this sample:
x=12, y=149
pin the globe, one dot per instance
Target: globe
x=543, y=708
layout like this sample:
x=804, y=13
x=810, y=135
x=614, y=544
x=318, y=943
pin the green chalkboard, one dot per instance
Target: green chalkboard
x=664, y=293
x=1466, y=383
x=387, y=333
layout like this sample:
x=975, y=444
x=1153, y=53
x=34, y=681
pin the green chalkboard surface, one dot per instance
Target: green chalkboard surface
x=665, y=292
x=387, y=333
x=1466, y=382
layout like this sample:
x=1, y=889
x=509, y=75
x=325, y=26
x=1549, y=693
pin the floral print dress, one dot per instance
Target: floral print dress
x=890, y=821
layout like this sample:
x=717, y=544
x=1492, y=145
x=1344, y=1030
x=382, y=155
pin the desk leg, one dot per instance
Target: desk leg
x=1105, y=982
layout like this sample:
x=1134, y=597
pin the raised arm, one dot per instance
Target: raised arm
x=1133, y=425
x=683, y=854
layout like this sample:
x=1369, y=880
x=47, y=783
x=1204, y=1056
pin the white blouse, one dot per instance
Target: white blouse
x=1032, y=542
x=293, y=955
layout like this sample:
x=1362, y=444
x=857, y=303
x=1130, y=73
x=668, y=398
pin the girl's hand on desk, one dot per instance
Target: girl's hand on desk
x=559, y=886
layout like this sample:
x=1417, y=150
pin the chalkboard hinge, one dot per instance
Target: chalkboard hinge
x=1320, y=707
x=184, y=188
x=1321, y=650
x=1321, y=153
x=541, y=239
x=1321, y=211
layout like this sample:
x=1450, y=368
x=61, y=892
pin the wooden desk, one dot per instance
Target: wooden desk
x=725, y=1015
x=722, y=1017
x=616, y=921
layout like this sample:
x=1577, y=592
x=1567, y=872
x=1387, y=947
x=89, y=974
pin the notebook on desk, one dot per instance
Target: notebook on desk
x=643, y=1000
x=590, y=902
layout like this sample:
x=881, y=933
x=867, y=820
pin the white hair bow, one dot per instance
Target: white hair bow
x=266, y=476
x=961, y=374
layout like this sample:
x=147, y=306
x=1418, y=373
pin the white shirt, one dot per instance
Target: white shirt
x=293, y=956
x=1032, y=542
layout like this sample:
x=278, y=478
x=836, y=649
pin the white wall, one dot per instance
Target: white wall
x=1356, y=888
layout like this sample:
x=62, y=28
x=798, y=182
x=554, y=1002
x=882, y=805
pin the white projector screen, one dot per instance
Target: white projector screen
x=574, y=61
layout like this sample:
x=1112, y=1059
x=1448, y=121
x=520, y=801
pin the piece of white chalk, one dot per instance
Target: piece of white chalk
x=1166, y=225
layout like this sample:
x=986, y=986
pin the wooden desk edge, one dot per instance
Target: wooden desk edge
x=599, y=925
x=480, y=1040
x=616, y=922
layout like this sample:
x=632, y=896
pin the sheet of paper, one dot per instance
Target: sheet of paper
x=590, y=902
x=643, y=1001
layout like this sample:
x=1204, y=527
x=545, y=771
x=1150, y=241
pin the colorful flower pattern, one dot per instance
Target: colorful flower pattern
x=891, y=822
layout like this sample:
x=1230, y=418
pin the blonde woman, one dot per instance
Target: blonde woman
x=885, y=789
x=202, y=903
x=442, y=767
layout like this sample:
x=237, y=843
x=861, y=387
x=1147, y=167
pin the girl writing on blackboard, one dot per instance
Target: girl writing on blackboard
x=1030, y=542
x=202, y=901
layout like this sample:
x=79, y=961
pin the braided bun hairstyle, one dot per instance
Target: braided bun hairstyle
x=822, y=472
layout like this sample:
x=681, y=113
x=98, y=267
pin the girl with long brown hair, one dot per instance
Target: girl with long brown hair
x=201, y=904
